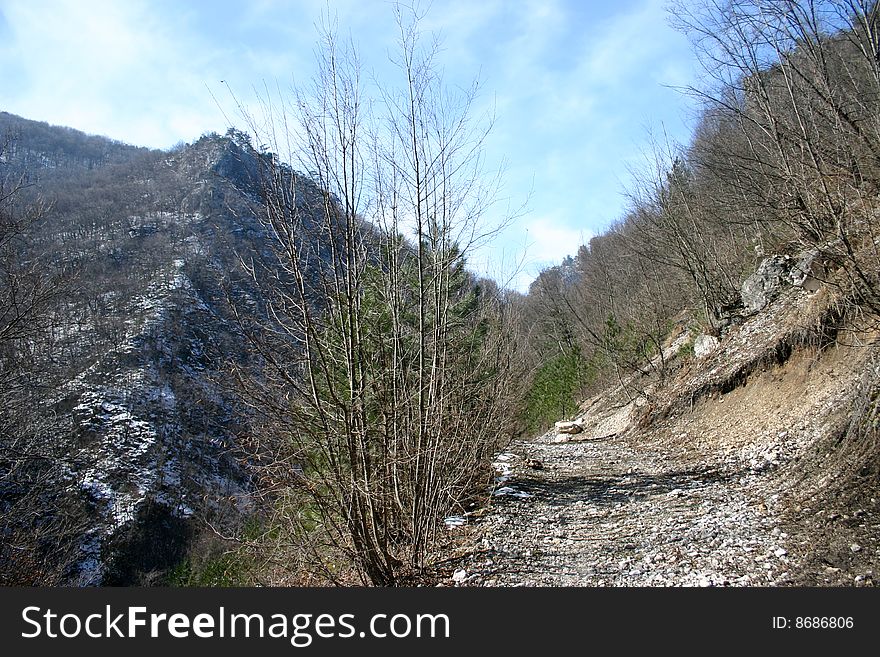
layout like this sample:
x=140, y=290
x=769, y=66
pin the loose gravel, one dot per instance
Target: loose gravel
x=608, y=513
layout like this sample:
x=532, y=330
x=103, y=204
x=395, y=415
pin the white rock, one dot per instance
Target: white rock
x=511, y=491
x=704, y=345
x=459, y=576
x=455, y=521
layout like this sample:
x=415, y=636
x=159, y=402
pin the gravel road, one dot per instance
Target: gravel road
x=603, y=513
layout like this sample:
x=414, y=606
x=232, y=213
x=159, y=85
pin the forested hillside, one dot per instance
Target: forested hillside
x=117, y=430
x=781, y=171
x=731, y=314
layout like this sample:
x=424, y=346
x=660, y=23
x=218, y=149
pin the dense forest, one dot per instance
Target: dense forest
x=261, y=358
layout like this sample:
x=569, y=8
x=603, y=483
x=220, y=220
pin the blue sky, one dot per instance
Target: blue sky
x=577, y=86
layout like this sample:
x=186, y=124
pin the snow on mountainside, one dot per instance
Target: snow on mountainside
x=136, y=447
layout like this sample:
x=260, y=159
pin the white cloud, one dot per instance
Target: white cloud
x=114, y=68
x=515, y=263
x=550, y=239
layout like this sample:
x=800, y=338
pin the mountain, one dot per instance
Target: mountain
x=136, y=439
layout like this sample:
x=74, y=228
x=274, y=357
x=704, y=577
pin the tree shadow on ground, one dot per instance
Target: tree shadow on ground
x=617, y=489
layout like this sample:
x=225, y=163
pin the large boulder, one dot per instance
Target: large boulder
x=774, y=273
x=764, y=285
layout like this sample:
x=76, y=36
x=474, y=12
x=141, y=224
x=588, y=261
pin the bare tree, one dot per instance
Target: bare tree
x=381, y=382
x=796, y=94
x=40, y=525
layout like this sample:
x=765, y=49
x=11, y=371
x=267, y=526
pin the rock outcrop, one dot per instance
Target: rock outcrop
x=777, y=272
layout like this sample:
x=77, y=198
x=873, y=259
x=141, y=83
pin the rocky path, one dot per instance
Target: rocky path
x=603, y=513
